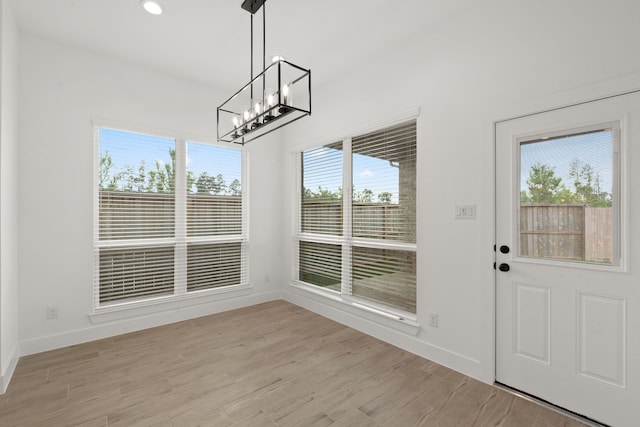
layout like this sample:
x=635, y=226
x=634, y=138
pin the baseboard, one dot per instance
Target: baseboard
x=5, y=378
x=123, y=326
x=411, y=343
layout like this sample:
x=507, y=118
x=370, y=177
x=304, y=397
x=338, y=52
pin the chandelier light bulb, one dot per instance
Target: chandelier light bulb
x=247, y=115
x=258, y=107
x=286, y=92
x=236, y=122
x=271, y=100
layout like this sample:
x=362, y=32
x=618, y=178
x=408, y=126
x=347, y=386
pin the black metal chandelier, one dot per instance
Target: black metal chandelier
x=279, y=95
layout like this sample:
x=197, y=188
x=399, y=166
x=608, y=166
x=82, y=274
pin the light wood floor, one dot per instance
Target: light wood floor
x=274, y=364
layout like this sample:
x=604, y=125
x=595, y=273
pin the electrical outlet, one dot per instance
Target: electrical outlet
x=52, y=312
x=433, y=320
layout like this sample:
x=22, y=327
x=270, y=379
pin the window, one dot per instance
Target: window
x=170, y=218
x=568, y=196
x=357, y=233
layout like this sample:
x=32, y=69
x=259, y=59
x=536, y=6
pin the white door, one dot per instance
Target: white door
x=568, y=232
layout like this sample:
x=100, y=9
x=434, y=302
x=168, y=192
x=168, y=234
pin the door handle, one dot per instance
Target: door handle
x=504, y=267
x=504, y=249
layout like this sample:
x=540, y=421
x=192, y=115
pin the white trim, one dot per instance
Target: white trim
x=384, y=329
x=383, y=244
x=380, y=314
x=609, y=88
x=618, y=238
x=163, y=133
x=346, y=282
x=321, y=238
x=180, y=220
x=159, y=304
x=362, y=128
x=180, y=239
x=6, y=376
x=143, y=321
x=346, y=239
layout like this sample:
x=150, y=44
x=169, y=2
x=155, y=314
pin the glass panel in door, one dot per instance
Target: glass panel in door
x=568, y=200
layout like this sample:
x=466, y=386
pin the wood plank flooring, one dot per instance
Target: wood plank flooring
x=273, y=364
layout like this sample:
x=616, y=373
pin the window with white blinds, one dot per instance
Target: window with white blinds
x=322, y=190
x=170, y=218
x=321, y=264
x=361, y=242
x=384, y=184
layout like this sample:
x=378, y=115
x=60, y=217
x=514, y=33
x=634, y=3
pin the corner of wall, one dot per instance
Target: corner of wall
x=5, y=377
x=408, y=342
x=143, y=321
x=9, y=345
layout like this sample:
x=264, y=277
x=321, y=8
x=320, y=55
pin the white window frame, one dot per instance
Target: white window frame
x=180, y=297
x=346, y=240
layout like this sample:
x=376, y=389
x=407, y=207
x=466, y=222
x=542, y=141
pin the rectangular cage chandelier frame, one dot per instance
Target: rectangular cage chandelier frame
x=279, y=95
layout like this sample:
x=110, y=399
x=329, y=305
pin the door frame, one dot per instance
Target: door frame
x=575, y=97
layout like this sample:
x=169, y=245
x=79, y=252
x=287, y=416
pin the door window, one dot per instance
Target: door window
x=568, y=196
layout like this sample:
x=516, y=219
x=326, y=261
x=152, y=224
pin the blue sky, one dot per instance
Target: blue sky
x=127, y=148
x=369, y=172
x=593, y=148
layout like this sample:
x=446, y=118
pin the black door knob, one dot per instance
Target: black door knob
x=504, y=249
x=504, y=267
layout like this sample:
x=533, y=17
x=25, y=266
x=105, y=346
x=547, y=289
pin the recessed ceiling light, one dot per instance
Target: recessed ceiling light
x=153, y=7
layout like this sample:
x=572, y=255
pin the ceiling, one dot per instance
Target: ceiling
x=208, y=40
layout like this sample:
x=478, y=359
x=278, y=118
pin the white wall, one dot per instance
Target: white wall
x=61, y=90
x=501, y=58
x=9, y=349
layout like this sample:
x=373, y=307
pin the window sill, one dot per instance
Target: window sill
x=361, y=308
x=166, y=304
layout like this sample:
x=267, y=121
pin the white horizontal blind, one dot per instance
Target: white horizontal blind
x=152, y=240
x=320, y=264
x=386, y=276
x=136, y=185
x=376, y=259
x=384, y=209
x=136, y=272
x=321, y=215
x=322, y=190
x=214, y=192
x=215, y=249
x=384, y=183
x=214, y=265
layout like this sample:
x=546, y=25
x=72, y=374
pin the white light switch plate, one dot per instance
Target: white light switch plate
x=465, y=212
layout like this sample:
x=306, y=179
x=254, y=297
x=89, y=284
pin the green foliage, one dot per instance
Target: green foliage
x=207, y=184
x=545, y=187
x=587, y=185
x=364, y=196
x=162, y=179
x=385, y=197
x=235, y=188
x=542, y=183
x=322, y=194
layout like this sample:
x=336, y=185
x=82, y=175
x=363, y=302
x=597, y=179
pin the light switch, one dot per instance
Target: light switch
x=465, y=212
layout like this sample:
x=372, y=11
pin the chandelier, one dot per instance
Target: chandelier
x=279, y=95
